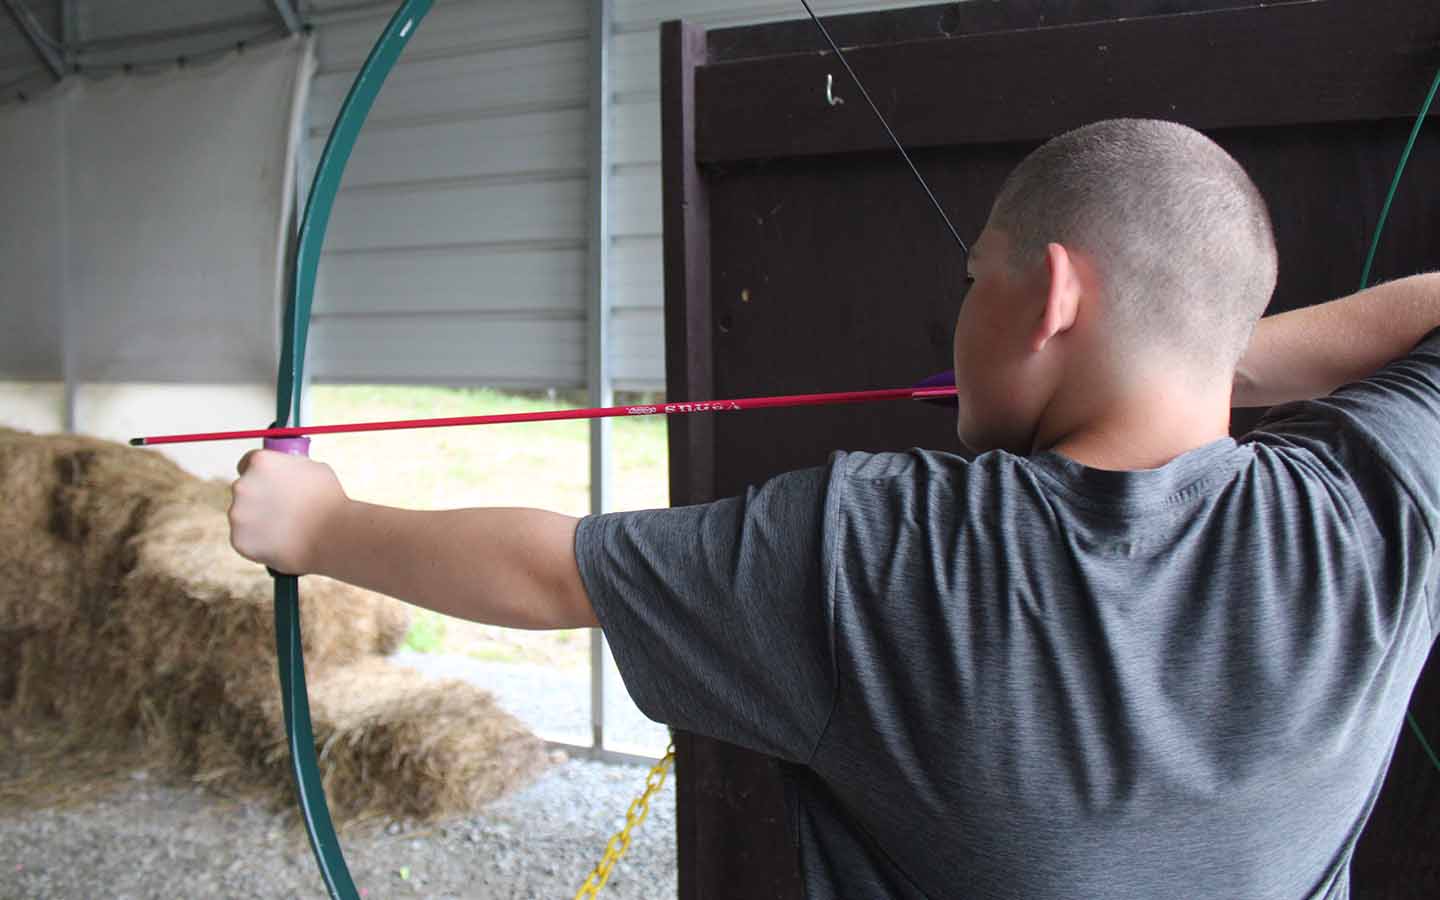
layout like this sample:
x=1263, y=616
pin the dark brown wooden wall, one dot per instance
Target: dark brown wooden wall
x=800, y=256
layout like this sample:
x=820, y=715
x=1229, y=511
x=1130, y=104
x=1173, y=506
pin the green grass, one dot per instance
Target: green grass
x=427, y=632
x=540, y=464
x=497, y=653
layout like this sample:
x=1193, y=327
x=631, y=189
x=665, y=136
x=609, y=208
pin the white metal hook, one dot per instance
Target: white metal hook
x=830, y=97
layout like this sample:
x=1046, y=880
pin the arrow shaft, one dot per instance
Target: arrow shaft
x=599, y=412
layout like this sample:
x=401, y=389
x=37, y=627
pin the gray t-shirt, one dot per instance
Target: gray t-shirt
x=1025, y=678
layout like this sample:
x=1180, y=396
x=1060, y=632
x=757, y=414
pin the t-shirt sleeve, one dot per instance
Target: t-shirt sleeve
x=1384, y=428
x=719, y=615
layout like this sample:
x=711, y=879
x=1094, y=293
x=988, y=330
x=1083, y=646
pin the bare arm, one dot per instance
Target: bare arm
x=509, y=567
x=1310, y=352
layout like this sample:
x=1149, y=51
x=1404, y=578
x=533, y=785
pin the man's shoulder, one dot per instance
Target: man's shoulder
x=915, y=484
x=920, y=467
x=897, y=464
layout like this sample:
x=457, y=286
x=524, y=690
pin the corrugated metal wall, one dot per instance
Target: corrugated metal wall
x=461, y=227
x=457, y=252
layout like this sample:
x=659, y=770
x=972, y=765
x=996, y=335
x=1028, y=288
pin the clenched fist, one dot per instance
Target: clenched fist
x=281, y=508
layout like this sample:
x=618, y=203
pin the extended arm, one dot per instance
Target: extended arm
x=510, y=567
x=1309, y=352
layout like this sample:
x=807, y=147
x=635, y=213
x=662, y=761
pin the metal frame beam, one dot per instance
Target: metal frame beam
x=598, y=303
x=289, y=15
x=606, y=754
x=43, y=45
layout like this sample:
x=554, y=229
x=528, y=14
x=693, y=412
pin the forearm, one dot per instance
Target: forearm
x=509, y=567
x=1309, y=352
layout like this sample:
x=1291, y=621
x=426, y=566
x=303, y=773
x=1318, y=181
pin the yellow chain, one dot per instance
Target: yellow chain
x=634, y=816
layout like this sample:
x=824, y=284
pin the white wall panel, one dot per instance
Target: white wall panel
x=635, y=131
x=458, y=348
x=642, y=333
x=175, y=219
x=457, y=247
x=31, y=240
x=543, y=279
x=547, y=75
x=457, y=214
x=636, y=62
x=636, y=274
x=37, y=406
x=461, y=28
x=466, y=195
x=544, y=141
x=635, y=201
x=118, y=412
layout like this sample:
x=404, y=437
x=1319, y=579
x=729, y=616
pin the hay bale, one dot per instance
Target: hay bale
x=41, y=549
x=396, y=740
x=392, y=743
x=124, y=610
x=192, y=594
x=73, y=505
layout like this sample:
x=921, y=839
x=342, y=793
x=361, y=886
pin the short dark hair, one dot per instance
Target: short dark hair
x=1180, y=233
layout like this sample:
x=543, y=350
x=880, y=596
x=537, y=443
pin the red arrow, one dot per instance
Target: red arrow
x=659, y=409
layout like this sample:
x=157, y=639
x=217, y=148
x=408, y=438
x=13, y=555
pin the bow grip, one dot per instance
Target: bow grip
x=290, y=446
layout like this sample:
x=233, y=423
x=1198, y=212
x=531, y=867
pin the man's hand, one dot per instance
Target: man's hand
x=281, y=508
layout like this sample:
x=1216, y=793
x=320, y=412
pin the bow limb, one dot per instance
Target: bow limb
x=1365, y=273
x=288, y=385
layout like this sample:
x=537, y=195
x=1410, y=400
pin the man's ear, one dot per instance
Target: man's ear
x=1062, y=297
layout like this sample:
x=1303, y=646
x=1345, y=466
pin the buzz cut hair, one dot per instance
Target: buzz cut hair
x=1178, y=232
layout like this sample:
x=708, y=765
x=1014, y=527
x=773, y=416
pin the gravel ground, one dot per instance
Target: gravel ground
x=158, y=838
x=554, y=703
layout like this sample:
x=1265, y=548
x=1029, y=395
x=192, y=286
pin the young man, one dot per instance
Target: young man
x=1117, y=654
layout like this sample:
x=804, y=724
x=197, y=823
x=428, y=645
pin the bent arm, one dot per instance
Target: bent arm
x=510, y=567
x=1307, y=353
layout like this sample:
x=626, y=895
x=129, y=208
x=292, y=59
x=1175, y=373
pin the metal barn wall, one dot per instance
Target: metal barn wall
x=462, y=224
x=458, y=249
x=104, y=37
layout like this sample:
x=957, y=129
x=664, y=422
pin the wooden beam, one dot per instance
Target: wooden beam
x=689, y=351
x=1341, y=60
x=940, y=20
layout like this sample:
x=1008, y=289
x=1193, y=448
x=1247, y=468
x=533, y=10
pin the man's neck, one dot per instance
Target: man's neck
x=1144, y=430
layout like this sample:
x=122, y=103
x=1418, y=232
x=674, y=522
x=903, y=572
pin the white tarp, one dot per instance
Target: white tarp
x=143, y=222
